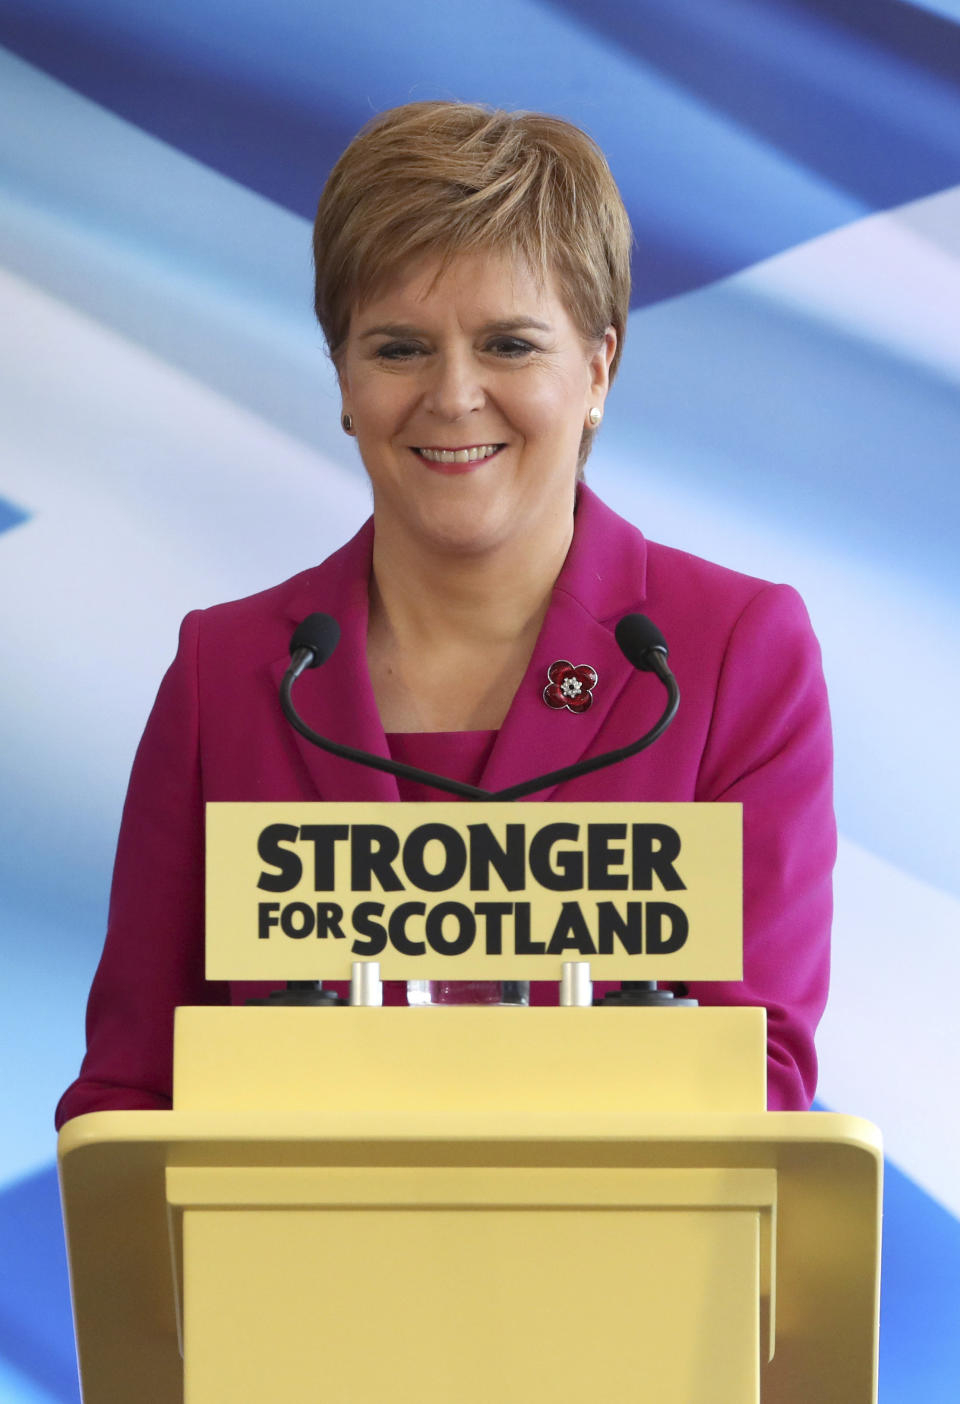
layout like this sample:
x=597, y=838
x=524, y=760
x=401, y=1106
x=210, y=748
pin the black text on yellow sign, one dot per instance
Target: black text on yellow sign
x=473, y=891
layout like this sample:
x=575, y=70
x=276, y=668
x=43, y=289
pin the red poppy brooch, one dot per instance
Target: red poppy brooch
x=570, y=687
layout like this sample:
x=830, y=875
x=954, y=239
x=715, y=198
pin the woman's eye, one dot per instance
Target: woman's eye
x=399, y=350
x=510, y=346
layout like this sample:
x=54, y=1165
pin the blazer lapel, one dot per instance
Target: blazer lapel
x=603, y=578
x=337, y=698
x=536, y=738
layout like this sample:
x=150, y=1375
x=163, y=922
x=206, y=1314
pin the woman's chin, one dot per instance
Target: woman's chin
x=461, y=532
x=476, y=517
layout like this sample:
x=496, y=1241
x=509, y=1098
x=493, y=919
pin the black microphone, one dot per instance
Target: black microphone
x=313, y=642
x=640, y=641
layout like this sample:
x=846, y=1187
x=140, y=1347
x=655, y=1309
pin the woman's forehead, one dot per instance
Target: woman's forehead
x=481, y=286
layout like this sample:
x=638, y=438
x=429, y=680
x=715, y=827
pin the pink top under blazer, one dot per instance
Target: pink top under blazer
x=752, y=727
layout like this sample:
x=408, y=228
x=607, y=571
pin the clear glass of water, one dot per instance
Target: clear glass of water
x=509, y=992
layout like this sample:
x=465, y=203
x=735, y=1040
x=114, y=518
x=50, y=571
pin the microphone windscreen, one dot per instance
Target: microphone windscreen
x=637, y=635
x=320, y=633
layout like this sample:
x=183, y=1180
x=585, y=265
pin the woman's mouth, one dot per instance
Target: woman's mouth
x=457, y=460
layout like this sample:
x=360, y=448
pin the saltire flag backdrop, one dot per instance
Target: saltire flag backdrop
x=788, y=405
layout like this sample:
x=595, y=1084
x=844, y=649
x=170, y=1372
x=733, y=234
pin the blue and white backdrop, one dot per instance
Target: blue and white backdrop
x=788, y=405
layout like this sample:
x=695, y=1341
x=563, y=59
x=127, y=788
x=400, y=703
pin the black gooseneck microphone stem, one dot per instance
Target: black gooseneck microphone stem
x=300, y=660
x=569, y=772
x=410, y=772
x=455, y=787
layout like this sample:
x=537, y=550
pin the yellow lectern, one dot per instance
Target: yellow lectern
x=457, y=1204
x=461, y=1205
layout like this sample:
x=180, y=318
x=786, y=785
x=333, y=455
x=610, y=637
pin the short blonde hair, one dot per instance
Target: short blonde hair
x=443, y=178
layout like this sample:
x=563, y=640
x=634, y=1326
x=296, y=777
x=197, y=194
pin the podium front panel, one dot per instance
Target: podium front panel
x=516, y=1284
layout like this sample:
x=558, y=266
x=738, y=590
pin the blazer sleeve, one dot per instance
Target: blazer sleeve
x=769, y=747
x=153, y=955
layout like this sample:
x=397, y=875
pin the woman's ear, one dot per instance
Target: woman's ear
x=600, y=363
x=346, y=415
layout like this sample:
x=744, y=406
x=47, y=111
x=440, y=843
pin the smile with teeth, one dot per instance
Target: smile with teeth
x=476, y=454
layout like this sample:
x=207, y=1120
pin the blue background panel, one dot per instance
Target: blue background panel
x=787, y=405
x=10, y=515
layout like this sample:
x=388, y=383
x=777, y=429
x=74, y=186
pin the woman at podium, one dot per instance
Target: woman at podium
x=472, y=284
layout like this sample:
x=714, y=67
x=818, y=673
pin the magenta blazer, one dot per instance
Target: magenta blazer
x=752, y=727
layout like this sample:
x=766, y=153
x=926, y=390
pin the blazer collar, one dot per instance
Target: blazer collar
x=606, y=566
x=603, y=578
x=337, y=699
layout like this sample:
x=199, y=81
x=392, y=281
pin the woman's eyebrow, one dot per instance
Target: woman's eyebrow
x=390, y=329
x=508, y=324
x=502, y=324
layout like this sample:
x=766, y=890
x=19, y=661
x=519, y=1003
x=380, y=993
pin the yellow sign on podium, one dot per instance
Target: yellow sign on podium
x=474, y=891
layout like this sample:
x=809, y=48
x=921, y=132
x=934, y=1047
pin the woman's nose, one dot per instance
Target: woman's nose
x=455, y=388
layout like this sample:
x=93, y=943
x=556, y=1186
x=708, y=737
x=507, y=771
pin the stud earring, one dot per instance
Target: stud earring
x=594, y=417
x=346, y=422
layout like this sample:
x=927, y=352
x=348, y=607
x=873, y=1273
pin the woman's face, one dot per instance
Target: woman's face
x=469, y=393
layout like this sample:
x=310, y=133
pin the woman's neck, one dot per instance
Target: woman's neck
x=451, y=634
